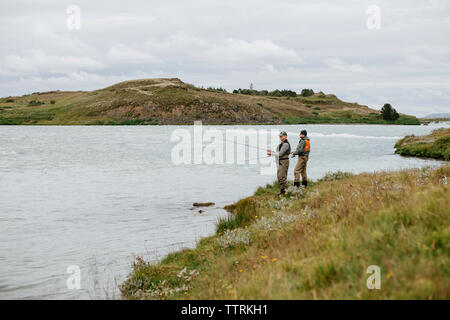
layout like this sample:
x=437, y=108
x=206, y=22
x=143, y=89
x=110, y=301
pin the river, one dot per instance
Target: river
x=95, y=196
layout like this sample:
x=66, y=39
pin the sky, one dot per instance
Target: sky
x=366, y=51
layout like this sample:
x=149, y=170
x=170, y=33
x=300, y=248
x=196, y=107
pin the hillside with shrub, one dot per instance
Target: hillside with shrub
x=171, y=101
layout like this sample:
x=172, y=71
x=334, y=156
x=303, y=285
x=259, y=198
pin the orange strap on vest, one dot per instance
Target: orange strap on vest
x=307, y=147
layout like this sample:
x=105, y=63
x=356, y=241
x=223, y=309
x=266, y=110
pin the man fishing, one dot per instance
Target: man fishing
x=302, y=151
x=282, y=159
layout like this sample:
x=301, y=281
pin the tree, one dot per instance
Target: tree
x=307, y=92
x=388, y=113
x=288, y=93
x=395, y=115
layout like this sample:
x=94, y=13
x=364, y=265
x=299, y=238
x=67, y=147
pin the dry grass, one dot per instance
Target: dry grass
x=398, y=221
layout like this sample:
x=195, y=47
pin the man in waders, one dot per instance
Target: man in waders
x=282, y=159
x=302, y=151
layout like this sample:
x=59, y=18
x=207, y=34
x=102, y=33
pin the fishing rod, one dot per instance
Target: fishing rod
x=246, y=145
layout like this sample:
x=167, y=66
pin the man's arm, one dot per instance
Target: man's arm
x=284, y=149
x=300, y=147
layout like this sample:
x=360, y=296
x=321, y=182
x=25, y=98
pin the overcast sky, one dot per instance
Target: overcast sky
x=329, y=45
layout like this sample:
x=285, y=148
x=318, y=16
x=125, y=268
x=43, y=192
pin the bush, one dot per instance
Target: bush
x=242, y=213
x=338, y=175
x=35, y=103
x=9, y=100
x=52, y=101
x=307, y=92
x=274, y=93
x=388, y=113
x=216, y=89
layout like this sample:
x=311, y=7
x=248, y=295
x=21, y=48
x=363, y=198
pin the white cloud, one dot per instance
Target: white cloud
x=260, y=51
x=270, y=68
x=342, y=66
x=123, y=53
x=41, y=62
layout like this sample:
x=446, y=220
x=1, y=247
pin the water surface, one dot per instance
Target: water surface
x=95, y=196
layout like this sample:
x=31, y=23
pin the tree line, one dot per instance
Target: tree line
x=275, y=93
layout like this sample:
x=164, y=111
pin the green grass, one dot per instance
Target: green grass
x=435, y=145
x=243, y=213
x=318, y=245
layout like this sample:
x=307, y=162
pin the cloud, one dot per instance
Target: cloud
x=123, y=53
x=259, y=51
x=41, y=62
x=337, y=64
x=270, y=68
x=289, y=44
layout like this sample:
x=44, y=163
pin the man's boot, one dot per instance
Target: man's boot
x=282, y=192
x=296, y=184
x=305, y=183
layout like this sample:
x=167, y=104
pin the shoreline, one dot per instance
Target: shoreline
x=268, y=238
x=435, y=145
x=207, y=124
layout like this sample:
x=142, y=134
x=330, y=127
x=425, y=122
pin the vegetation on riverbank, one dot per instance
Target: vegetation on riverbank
x=435, y=145
x=318, y=244
x=171, y=101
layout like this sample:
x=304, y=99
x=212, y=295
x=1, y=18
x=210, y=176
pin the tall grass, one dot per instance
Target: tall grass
x=241, y=214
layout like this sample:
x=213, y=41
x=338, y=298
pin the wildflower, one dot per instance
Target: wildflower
x=240, y=270
x=185, y=292
x=274, y=260
x=304, y=213
x=389, y=275
x=263, y=257
x=256, y=217
x=230, y=291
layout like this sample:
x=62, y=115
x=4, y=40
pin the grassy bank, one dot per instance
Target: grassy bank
x=435, y=145
x=318, y=244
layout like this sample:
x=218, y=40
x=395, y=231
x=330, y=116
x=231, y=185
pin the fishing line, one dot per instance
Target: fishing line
x=246, y=145
x=261, y=157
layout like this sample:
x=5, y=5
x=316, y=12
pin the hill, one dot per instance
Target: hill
x=438, y=116
x=435, y=145
x=171, y=101
x=318, y=244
